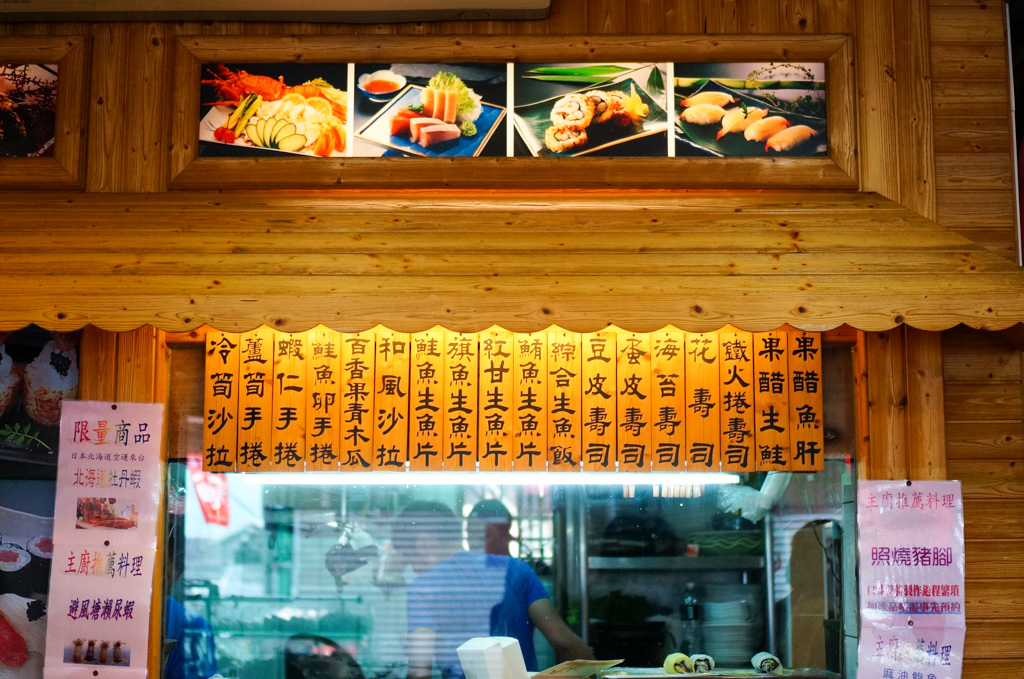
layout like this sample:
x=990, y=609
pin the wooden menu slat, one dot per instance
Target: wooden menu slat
x=256, y=399
x=702, y=399
x=771, y=401
x=497, y=399
x=425, y=399
x=357, y=365
x=288, y=435
x=391, y=400
x=599, y=401
x=323, y=407
x=736, y=370
x=633, y=402
x=668, y=408
x=530, y=369
x=220, y=422
x=807, y=433
x=565, y=405
x=460, y=410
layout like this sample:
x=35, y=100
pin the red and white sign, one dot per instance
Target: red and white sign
x=211, y=491
x=911, y=546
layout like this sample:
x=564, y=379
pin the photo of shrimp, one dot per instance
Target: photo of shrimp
x=579, y=109
x=750, y=109
x=268, y=109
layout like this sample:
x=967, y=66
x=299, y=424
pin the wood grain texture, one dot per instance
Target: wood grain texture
x=989, y=479
x=991, y=559
x=97, y=372
x=973, y=402
x=926, y=440
x=974, y=172
x=990, y=669
x=973, y=440
x=886, y=405
x=136, y=365
x=960, y=134
x=998, y=519
x=914, y=95
x=878, y=112
x=992, y=639
x=993, y=599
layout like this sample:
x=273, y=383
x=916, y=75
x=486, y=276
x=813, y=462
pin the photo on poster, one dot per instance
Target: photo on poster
x=107, y=513
x=750, y=109
x=26, y=555
x=601, y=109
x=430, y=110
x=251, y=110
x=28, y=110
x=81, y=651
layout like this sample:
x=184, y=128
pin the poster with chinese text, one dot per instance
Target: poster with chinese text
x=911, y=547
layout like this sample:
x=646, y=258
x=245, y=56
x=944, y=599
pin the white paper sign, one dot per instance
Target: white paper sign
x=108, y=473
x=911, y=548
x=104, y=557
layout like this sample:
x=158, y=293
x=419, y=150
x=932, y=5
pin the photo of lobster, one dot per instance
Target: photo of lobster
x=288, y=108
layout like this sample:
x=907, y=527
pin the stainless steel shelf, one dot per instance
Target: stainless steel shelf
x=675, y=563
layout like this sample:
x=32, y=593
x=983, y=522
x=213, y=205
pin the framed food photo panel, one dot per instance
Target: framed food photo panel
x=42, y=111
x=488, y=105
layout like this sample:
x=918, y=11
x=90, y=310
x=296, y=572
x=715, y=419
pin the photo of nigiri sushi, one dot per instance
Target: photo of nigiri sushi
x=578, y=109
x=750, y=109
x=38, y=371
x=429, y=110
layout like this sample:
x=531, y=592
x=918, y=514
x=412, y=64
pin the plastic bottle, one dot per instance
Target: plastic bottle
x=690, y=612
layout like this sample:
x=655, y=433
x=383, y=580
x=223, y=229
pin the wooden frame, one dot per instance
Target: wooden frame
x=838, y=170
x=66, y=169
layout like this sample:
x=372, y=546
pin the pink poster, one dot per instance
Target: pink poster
x=911, y=550
x=105, y=534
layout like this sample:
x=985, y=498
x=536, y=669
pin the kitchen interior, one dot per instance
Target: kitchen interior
x=763, y=563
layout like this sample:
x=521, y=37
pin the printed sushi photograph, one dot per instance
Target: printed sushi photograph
x=28, y=110
x=430, y=110
x=267, y=110
x=750, y=109
x=26, y=551
x=601, y=109
x=38, y=371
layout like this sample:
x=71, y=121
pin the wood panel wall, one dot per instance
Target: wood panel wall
x=984, y=418
x=974, y=154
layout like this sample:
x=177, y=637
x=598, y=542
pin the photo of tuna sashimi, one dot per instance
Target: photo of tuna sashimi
x=429, y=110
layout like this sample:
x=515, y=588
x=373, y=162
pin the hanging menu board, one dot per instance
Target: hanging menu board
x=105, y=530
x=552, y=400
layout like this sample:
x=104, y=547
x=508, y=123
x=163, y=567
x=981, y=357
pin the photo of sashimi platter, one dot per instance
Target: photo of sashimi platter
x=430, y=110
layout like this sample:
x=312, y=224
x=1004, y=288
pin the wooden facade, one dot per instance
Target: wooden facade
x=908, y=231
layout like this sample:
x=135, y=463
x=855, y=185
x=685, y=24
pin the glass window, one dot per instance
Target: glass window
x=294, y=576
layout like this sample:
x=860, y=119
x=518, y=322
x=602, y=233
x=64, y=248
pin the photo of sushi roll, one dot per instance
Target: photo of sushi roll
x=14, y=571
x=562, y=139
x=573, y=110
x=40, y=548
x=577, y=109
x=10, y=377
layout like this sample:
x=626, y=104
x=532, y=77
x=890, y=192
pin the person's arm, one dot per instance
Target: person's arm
x=567, y=645
x=421, y=653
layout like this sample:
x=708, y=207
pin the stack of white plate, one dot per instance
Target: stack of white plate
x=732, y=645
x=732, y=631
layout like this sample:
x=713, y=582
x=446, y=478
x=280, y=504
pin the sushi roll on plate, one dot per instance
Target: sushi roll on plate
x=575, y=110
x=564, y=139
x=14, y=571
x=41, y=550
